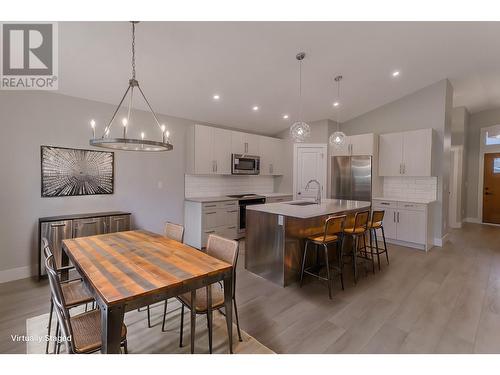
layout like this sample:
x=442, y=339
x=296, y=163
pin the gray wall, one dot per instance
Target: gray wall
x=459, y=128
x=477, y=121
x=31, y=119
x=429, y=107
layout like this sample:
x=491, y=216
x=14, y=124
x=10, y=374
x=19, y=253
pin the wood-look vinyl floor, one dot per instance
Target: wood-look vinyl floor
x=445, y=301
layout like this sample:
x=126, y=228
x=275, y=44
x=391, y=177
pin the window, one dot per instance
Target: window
x=496, y=165
x=492, y=138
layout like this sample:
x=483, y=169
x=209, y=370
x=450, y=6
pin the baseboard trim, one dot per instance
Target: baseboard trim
x=440, y=241
x=474, y=220
x=16, y=273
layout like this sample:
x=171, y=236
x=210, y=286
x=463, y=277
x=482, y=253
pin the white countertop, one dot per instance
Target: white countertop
x=327, y=207
x=272, y=195
x=409, y=200
x=222, y=198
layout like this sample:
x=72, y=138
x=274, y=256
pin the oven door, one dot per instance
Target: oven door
x=245, y=164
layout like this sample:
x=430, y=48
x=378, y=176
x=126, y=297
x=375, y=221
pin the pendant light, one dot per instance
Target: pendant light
x=337, y=139
x=132, y=144
x=299, y=129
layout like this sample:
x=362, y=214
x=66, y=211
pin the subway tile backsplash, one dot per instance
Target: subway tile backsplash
x=410, y=187
x=213, y=186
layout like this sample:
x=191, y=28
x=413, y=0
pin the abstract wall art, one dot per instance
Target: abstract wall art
x=71, y=172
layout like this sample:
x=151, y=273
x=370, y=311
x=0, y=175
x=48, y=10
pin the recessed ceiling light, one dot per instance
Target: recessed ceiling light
x=255, y=108
x=285, y=117
x=395, y=73
x=216, y=97
x=336, y=104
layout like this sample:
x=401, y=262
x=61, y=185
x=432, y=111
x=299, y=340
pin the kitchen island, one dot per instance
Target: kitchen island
x=275, y=234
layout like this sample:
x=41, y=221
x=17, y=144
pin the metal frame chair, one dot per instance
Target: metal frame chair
x=227, y=251
x=176, y=233
x=333, y=233
x=74, y=292
x=87, y=324
x=375, y=223
x=358, y=230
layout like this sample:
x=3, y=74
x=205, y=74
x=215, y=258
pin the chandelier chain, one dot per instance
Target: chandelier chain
x=133, y=50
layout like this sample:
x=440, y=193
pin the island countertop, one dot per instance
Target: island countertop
x=327, y=207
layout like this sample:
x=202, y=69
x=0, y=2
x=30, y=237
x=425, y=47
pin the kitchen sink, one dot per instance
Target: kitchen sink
x=305, y=203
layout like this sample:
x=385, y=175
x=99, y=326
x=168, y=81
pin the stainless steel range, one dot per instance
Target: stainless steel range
x=245, y=200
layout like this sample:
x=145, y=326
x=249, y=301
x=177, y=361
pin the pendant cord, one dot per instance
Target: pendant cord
x=133, y=50
x=338, y=101
x=300, y=90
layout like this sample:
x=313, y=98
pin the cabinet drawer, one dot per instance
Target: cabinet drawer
x=209, y=206
x=284, y=198
x=228, y=205
x=380, y=204
x=411, y=206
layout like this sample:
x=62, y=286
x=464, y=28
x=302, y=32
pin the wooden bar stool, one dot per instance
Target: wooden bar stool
x=356, y=232
x=333, y=234
x=377, y=223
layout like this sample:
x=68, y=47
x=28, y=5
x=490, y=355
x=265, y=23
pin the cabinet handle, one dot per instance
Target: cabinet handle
x=57, y=225
x=212, y=205
x=385, y=203
x=210, y=213
x=398, y=217
x=233, y=211
x=246, y=147
x=394, y=219
x=400, y=168
x=89, y=222
x=210, y=231
x=119, y=219
x=404, y=168
x=232, y=227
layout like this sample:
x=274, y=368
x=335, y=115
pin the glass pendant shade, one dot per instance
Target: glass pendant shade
x=337, y=139
x=300, y=131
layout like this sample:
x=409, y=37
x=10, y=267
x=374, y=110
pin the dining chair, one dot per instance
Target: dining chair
x=227, y=251
x=358, y=232
x=377, y=223
x=74, y=291
x=84, y=330
x=174, y=232
x=332, y=234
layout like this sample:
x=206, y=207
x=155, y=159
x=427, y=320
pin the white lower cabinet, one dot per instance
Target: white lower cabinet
x=406, y=223
x=204, y=218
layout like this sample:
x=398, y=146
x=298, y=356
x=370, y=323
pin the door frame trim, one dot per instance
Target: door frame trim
x=296, y=147
x=483, y=149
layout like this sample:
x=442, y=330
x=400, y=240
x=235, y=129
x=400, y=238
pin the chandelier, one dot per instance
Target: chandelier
x=124, y=142
x=337, y=139
x=299, y=129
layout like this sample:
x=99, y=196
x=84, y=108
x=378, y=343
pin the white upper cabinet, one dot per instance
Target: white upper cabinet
x=209, y=149
x=244, y=143
x=390, y=153
x=406, y=154
x=271, y=156
x=355, y=145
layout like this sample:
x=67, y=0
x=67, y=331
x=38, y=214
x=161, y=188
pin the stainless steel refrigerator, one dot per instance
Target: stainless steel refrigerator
x=351, y=177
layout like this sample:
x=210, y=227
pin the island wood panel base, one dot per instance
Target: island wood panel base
x=274, y=244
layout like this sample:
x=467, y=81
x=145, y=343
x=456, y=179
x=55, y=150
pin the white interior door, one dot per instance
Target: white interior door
x=310, y=161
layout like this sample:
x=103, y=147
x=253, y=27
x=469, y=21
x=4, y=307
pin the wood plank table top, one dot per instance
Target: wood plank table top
x=124, y=266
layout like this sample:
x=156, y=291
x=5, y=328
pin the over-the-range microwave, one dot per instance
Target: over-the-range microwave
x=245, y=164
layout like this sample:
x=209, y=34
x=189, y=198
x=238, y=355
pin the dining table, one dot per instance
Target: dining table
x=128, y=270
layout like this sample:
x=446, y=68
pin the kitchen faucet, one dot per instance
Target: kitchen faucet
x=318, y=197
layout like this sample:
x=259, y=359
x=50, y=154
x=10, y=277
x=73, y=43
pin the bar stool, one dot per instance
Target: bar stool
x=333, y=233
x=356, y=232
x=377, y=223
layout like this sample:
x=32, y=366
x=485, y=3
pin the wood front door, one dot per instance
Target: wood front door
x=491, y=189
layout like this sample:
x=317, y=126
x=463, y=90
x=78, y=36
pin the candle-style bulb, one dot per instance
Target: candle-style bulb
x=92, y=124
x=167, y=133
x=124, y=122
x=163, y=128
x=142, y=135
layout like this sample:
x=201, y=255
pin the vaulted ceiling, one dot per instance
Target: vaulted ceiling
x=181, y=65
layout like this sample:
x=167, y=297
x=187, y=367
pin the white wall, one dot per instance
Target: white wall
x=150, y=185
x=459, y=129
x=429, y=107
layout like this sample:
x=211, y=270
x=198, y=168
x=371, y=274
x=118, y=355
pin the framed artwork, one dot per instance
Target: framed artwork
x=72, y=172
